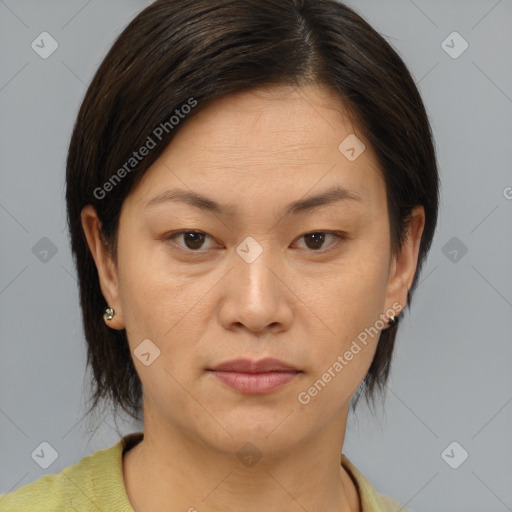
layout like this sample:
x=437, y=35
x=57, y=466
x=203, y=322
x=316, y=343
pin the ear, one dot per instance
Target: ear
x=107, y=271
x=404, y=264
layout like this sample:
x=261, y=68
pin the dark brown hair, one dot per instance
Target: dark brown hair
x=178, y=50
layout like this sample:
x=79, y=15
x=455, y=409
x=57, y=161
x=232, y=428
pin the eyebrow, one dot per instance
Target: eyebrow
x=202, y=202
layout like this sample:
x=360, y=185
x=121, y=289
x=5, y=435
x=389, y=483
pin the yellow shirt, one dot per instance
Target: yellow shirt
x=95, y=483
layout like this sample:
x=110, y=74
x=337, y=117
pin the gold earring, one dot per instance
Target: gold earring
x=109, y=313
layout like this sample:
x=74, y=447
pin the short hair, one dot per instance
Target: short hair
x=179, y=52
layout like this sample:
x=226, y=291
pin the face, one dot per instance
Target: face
x=246, y=275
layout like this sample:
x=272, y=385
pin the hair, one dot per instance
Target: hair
x=176, y=52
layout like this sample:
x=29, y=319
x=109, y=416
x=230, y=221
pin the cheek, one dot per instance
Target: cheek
x=151, y=292
x=350, y=303
x=345, y=350
x=161, y=303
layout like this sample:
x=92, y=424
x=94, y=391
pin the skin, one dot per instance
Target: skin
x=301, y=301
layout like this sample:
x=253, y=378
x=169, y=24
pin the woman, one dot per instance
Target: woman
x=252, y=191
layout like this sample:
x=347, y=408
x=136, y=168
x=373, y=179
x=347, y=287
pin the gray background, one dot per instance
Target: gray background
x=451, y=379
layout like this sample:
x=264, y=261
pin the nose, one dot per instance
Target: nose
x=258, y=296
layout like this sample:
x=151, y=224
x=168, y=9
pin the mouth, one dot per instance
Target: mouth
x=255, y=377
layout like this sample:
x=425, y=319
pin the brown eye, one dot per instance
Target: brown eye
x=195, y=240
x=192, y=240
x=315, y=240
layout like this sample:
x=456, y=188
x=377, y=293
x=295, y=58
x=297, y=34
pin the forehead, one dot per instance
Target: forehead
x=288, y=139
x=289, y=120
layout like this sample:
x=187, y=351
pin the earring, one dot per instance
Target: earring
x=109, y=313
x=392, y=320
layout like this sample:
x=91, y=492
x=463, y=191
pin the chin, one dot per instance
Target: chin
x=271, y=429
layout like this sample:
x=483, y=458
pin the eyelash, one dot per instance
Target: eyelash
x=341, y=237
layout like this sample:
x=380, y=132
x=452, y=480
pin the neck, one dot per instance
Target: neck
x=171, y=471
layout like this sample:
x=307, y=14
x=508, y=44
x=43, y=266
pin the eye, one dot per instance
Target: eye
x=193, y=240
x=316, y=239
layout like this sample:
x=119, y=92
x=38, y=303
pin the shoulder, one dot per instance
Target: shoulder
x=90, y=484
x=389, y=504
x=45, y=494
x=371, y=500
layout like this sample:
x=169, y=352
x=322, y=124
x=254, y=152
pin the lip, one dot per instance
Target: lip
x=255, y=377
x=247, y=366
